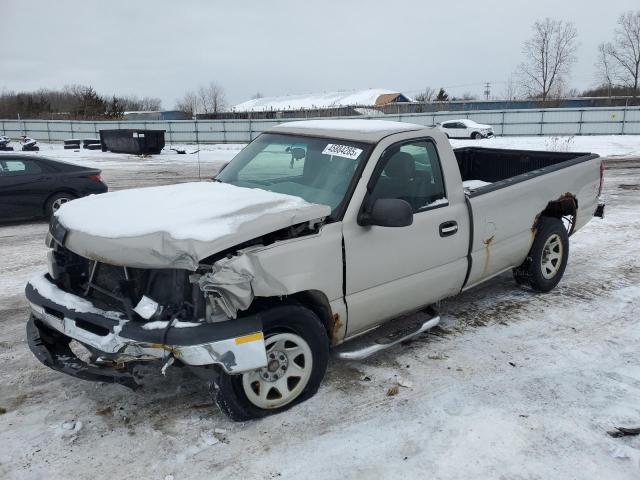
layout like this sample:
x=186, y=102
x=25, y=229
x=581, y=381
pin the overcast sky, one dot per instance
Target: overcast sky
x=163, y=48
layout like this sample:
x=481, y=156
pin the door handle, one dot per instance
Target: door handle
x=448, y=228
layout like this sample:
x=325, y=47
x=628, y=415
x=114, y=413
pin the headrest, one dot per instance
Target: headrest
x=400, y=165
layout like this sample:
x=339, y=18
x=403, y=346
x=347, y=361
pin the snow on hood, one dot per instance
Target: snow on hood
x=176, y=226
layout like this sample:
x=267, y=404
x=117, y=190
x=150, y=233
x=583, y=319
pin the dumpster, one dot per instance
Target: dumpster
x=134, y=141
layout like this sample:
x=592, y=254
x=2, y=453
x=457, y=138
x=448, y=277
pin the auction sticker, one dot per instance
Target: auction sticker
x=342, y=151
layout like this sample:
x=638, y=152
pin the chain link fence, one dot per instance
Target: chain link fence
x=552, y=122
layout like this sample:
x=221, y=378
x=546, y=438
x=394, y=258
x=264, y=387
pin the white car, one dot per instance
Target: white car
x=466, y=129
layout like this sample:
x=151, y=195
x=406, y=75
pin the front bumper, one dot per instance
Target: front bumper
x=57, y=317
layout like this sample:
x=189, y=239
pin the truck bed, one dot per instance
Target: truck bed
x=521, y=185
x=501, y=167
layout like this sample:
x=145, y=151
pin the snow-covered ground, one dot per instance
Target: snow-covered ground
x=514, y=385
x=203, y=154
x=616, y=146
x=603, y=145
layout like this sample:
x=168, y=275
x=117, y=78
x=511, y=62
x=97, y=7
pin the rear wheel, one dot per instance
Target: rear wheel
x=547, y=259
x=55, y=202
x=297, y=348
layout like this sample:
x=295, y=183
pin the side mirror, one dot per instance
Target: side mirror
x=388, y=212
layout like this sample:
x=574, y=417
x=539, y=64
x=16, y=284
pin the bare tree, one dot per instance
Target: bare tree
x=134, y=103
x=510, y=91
x=426, y=96
x=188, y=103
x=257, y=95
x=549, y=56
x=625, y=50
x=150, y=103
x=211, y=98
x=606, y=68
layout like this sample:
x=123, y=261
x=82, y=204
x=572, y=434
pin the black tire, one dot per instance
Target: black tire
x=72, y=141
x=476, y=135
x=551, y=240
x=50, y=205
x=228, y=391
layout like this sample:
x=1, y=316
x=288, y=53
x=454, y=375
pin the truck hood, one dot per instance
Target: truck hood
x=175, y=226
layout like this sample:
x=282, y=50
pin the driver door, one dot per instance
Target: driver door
x=394, y=270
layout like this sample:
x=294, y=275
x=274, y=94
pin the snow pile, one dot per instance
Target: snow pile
x=72, y=302
x=201, y=211
x=161, y=325
x=359, y=98
x=469, y=185
x=603, y=145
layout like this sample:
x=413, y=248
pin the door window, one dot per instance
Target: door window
x=411, y=172
x=18, y=167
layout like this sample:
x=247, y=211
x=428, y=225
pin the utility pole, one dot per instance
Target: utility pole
x=487, y=90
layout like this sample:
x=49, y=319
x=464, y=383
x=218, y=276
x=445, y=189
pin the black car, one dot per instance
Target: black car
x=33, y=186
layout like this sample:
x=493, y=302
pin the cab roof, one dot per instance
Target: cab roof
x=368, y=131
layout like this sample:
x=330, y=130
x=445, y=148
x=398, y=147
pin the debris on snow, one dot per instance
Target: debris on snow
x=624, y=431
x=437, y=356
x=403, y=382
x=104, y=412
x=69, y=428
x=393, y=391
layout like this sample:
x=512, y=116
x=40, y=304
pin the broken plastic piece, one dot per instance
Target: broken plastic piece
x=147, y=307
x=167, y=364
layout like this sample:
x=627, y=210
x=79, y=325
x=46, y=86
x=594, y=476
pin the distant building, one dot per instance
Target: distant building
x=370, y=98
x=157, y=115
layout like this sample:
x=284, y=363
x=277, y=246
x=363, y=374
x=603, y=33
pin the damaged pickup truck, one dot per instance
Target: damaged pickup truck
x=316, y=233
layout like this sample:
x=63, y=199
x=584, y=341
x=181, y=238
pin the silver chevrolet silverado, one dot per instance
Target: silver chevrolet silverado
x=318, y=236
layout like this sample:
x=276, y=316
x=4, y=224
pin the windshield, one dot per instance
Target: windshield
x=318, y=170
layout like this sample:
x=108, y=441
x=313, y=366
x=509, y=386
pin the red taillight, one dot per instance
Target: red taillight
x=95, y=178
x=601, y=177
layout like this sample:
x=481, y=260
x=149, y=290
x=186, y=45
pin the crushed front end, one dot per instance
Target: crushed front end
x=124, y=317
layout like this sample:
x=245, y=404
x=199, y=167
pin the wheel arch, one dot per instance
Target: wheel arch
x=314, y=300
x=564, y=206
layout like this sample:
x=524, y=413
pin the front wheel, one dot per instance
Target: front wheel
x=297, y=348
x=476, y=135
x=547, y=259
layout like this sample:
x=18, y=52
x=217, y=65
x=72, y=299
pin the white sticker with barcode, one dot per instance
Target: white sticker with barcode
x=342, y=151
